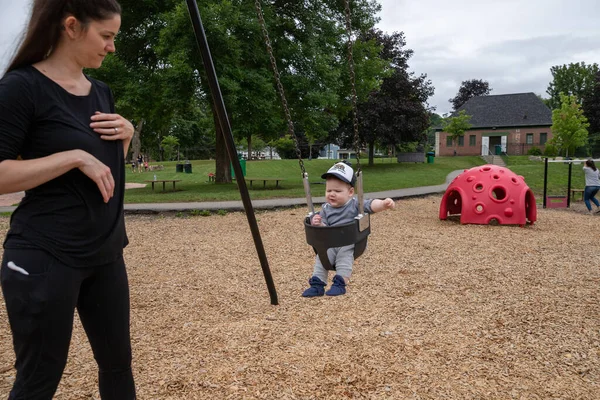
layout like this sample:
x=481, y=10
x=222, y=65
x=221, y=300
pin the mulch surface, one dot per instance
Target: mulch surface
x=435, y=310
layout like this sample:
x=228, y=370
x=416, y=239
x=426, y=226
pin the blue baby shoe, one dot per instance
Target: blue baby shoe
x=317, y=288
x=338, y=287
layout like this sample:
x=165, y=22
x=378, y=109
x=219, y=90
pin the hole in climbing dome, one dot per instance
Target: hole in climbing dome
x=499, y=193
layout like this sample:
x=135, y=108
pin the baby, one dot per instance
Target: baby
x=341, y=208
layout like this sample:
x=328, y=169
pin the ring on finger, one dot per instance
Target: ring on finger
x=116, y=130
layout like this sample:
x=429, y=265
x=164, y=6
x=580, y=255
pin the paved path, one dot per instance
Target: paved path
x=275, y=203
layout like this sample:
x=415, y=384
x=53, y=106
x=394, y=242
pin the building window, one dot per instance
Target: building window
x=472, y=140
x=543, y=138
x=461, y=140
x=529, y=138
x=448, y=141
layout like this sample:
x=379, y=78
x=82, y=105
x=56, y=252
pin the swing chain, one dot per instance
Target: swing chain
x=288, y=115
x=353, y=84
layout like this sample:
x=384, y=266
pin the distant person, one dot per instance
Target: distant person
x=341, y=208
x=140, y=162
x=64, y=248
x=592, y=185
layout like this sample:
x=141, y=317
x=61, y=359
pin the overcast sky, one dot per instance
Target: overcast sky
x=510, y=43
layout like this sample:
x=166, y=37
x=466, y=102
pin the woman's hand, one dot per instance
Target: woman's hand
x=112, y=126
x=99, y=173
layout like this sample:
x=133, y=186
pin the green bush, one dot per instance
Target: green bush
x=534, y=151
x=551, y=150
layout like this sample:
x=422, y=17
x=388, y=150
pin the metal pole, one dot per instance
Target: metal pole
x=569, y=186
x=309, y=202
x=217, y=97
x=545, y=181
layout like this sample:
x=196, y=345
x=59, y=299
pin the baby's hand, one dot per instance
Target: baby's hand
x=388, y=203
x=316, y=220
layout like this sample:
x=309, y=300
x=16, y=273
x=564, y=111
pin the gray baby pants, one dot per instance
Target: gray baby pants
x=342, y=257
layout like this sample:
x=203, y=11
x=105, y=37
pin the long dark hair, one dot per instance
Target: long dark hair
x=45, y=25
x=590, y=163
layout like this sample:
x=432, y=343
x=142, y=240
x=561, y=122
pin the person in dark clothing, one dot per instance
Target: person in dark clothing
x=64, y=248
x=140, y=162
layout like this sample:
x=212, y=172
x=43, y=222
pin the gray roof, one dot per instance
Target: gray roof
x=507, y=110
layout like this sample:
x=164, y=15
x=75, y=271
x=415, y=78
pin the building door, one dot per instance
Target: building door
x=495, y=144
x=485, y=145
x=503, y=143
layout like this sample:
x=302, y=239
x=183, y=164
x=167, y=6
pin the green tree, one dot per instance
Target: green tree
x=573, y=79
x=169, y=144
x=569, y=125
x=311, y=65
x=591, y=109
x=395, y=112
x=456, y=126
x=159, y=80
x=286, y=148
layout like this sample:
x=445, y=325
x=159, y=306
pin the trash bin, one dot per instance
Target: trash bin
x=187, y=167
x=498, y=149
x=430, y=156
x=242, y=164
x=178, y=167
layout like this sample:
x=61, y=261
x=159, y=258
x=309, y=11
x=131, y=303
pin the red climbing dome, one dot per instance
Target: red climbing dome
x=487, y=193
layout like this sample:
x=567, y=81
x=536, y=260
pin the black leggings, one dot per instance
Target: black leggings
x=40, y=309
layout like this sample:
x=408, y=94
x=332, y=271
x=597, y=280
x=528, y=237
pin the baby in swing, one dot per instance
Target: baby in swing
x=341, y=208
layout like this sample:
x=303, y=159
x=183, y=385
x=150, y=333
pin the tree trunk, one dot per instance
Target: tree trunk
x=371, y=153
x=136, y=141
x=222, y=167
x=249, y=139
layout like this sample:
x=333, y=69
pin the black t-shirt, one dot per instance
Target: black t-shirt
x=67, y=215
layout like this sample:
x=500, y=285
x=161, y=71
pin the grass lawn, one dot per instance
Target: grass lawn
x=558, y=175
x=385, y=174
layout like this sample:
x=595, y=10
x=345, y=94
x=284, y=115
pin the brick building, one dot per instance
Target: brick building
x=507, y=123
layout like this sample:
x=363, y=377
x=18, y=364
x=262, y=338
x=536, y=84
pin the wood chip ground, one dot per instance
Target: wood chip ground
x=435, y=310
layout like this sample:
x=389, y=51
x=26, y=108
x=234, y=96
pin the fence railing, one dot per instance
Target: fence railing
x=522, y=148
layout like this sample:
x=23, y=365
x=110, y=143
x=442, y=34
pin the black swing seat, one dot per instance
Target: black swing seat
x=322, y=238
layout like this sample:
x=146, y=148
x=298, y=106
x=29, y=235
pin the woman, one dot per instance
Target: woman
x=592, y=185
x=64, y=249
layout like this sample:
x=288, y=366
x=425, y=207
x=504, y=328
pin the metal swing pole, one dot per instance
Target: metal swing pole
x=569, y=186
x=217, y=97
x=545, y=181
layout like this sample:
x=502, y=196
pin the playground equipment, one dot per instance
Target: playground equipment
x=560, y=201
x=489, y=193
x=322, y=238
x=217, y=96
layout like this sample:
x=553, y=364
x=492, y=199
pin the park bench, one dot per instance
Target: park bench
x=164, y=181
x=573, y=191
x=264, y=181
